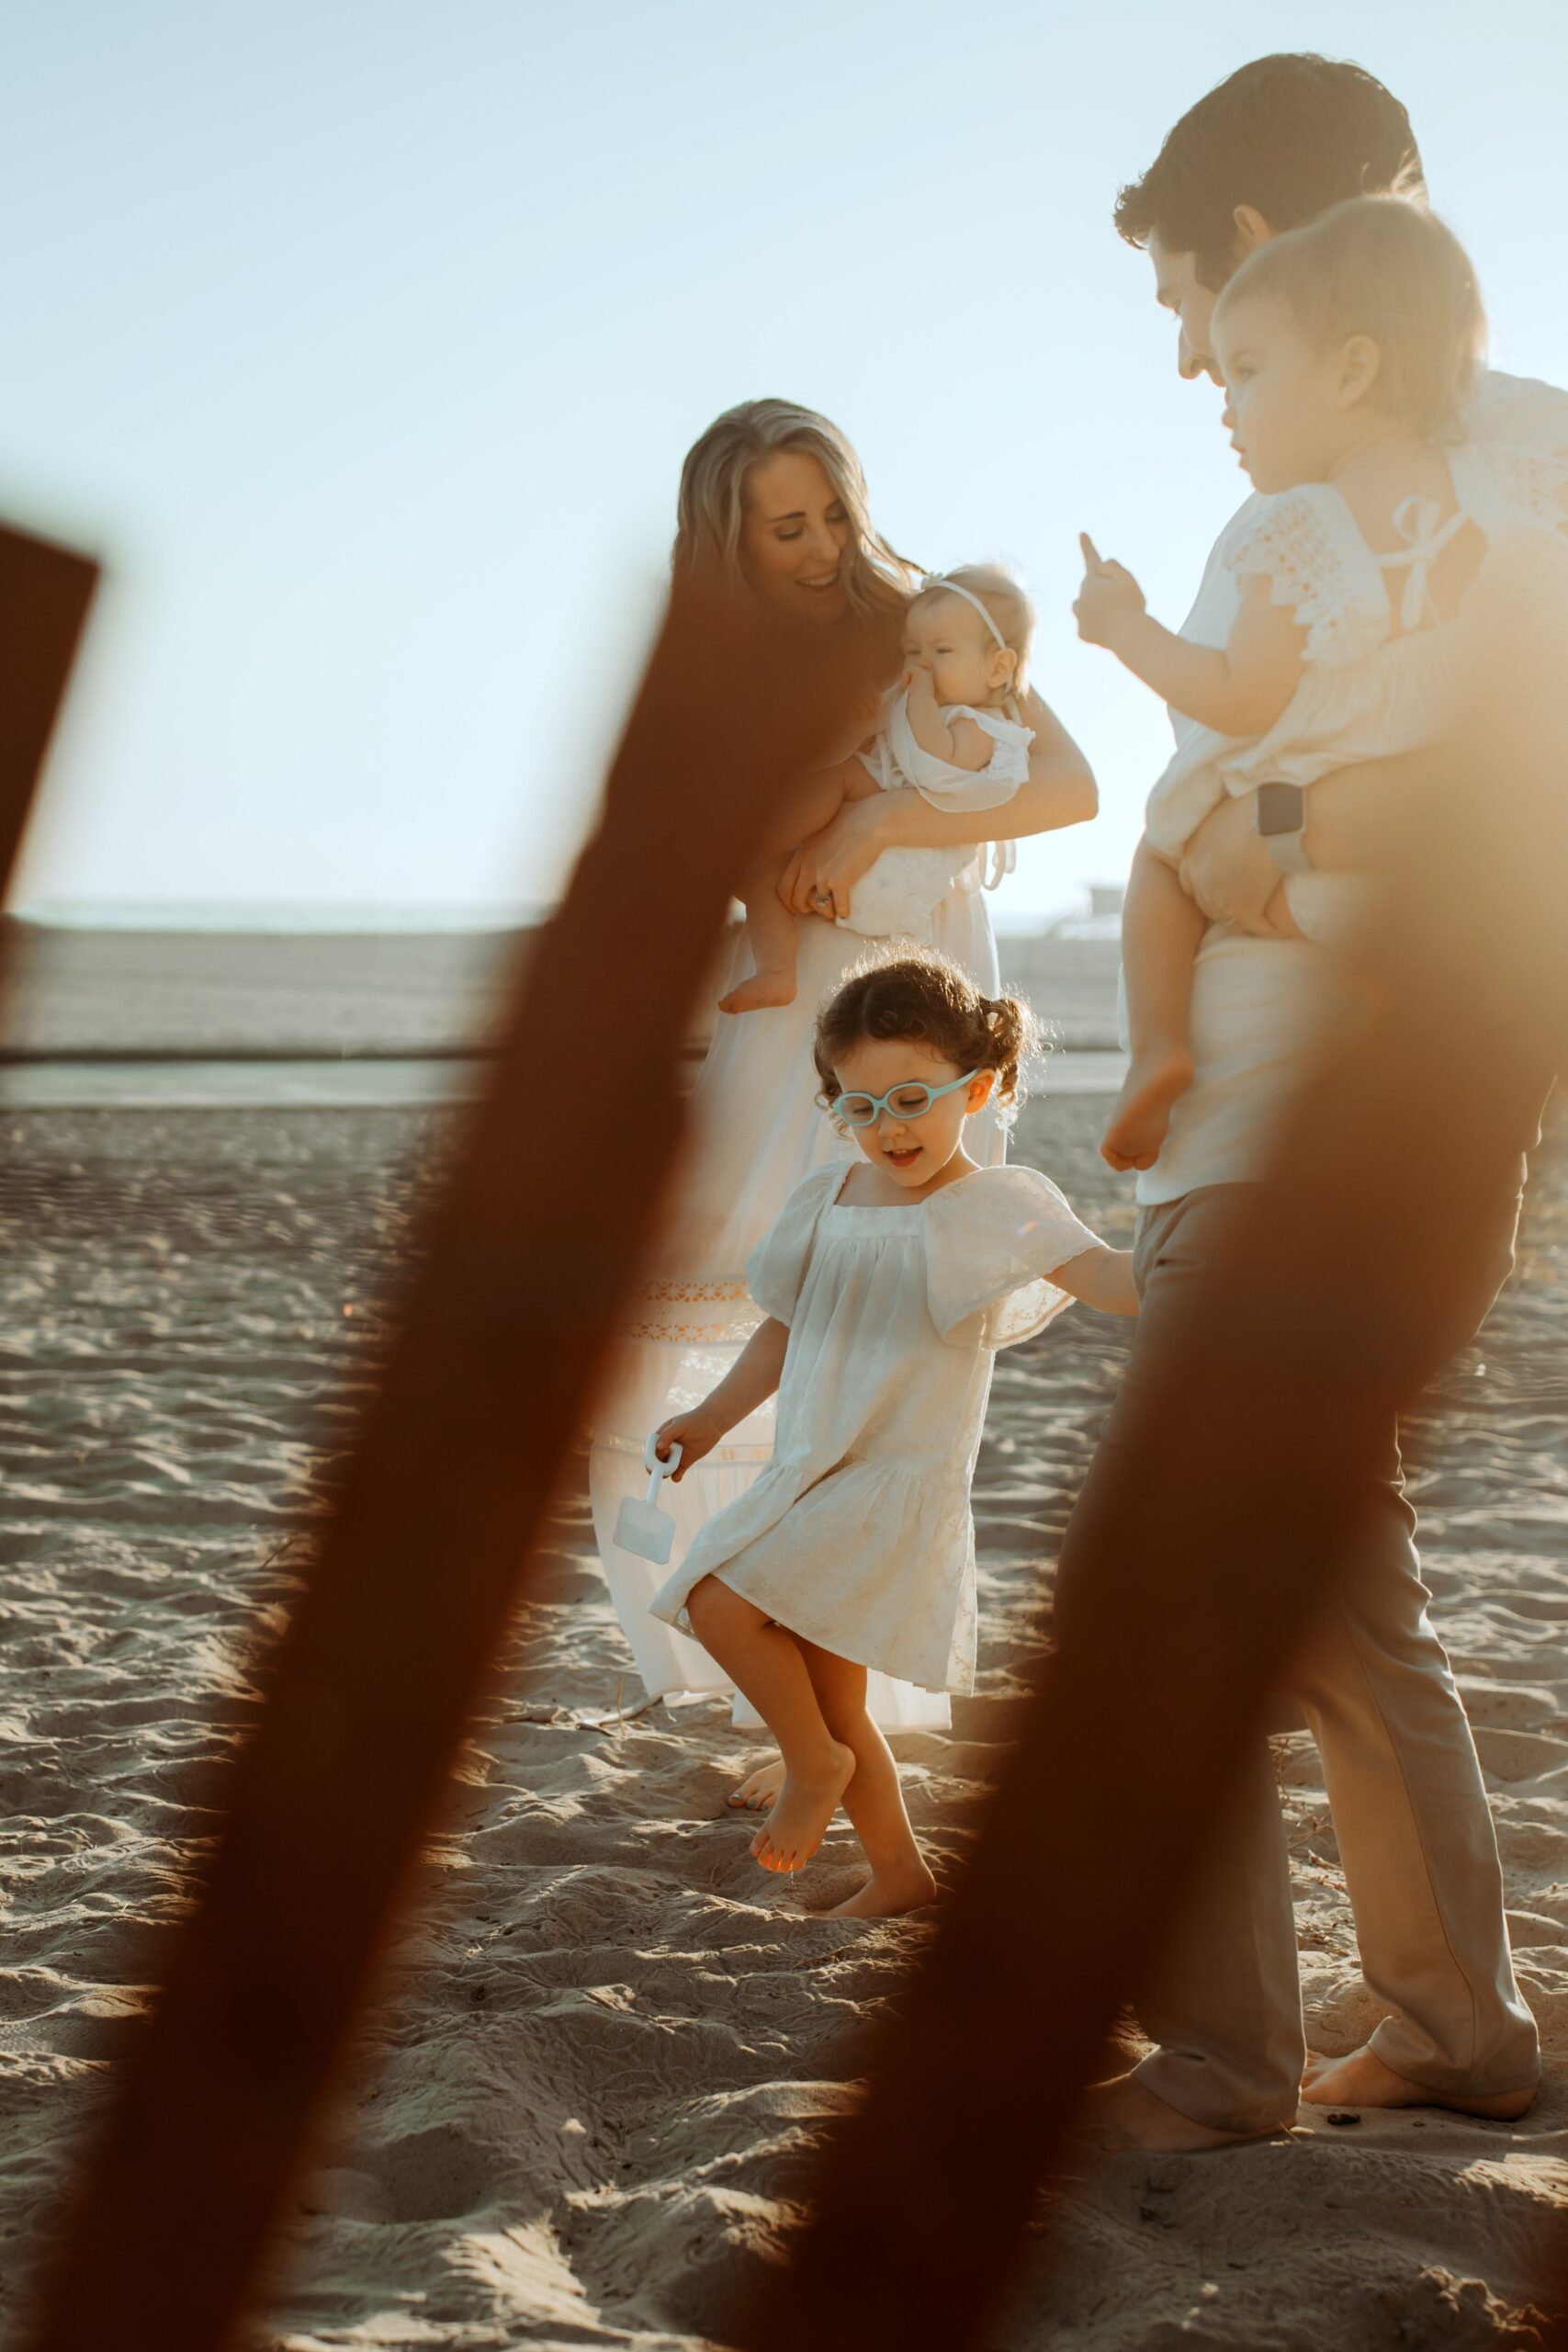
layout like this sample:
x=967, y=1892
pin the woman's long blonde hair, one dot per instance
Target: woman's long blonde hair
x=711, y=511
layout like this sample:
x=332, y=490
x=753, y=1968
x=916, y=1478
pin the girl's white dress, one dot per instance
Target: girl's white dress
x=858, y=1534
x=898, y=897
x=1381, y=676
x=754, y=1130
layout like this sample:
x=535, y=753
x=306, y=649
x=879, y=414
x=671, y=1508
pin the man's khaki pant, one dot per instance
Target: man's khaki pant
x=1404, y=1786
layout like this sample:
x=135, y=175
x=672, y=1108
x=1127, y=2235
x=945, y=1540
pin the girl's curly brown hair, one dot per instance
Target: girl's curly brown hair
x=926, y=997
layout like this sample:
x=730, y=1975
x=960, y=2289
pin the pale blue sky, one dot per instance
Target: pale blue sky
x=365, y=341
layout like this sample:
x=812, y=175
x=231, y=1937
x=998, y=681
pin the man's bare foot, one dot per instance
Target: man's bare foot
x=804, y=1807
x=764, y=988
x=1122, y=2114
x=1361, y=2079
x=887, y=1897
x=1142, y=1114
x=758, y=1789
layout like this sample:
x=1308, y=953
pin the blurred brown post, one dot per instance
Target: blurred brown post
x=1348, y=1274
x=539, y=1238
x=45, y=593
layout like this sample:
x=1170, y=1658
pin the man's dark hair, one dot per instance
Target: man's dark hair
x=1289, y=135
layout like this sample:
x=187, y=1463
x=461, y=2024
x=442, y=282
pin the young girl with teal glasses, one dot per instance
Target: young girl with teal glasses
x=887, y=1288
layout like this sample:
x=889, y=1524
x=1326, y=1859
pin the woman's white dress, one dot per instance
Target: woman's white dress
x=858, y=1534
x=755, y=1130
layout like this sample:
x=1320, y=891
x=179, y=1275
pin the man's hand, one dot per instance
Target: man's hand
x=1109, y=600
x=1228, y=871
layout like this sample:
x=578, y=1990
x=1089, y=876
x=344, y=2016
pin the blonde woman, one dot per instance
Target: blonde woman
x=774, y=495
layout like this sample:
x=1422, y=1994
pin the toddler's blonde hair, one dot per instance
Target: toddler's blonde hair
x=1383, y=266
x=1003, y=598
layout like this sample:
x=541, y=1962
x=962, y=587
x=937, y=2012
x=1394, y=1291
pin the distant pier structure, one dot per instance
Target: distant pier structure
x=1068, y=971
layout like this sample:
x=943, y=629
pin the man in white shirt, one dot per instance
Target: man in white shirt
x=1270, y=148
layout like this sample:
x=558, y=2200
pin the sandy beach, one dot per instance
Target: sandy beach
x=588, y=2096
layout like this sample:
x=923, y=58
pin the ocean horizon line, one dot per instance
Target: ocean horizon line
x=368, y=917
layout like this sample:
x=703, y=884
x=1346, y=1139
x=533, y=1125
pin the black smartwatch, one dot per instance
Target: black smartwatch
x=1280, y=817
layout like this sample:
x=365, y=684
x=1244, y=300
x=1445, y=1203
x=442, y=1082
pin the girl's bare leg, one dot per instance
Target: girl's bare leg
x=807, y=807
x=899, y=1879
x=1161, y=932
x=765, y=1661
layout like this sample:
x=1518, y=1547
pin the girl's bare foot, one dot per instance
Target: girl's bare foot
x=1361, y=2079
x=1122, y=2114
x=1142, y=1115
x=887, y=1897
x=764, y=988
x=804, y=1806
x=758, y=1789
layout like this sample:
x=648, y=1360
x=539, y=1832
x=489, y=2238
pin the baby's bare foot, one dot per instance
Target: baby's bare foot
x=762, y=990
x=1142, y=1115
x=801, y=1810
x=1123, y=2114
x=1361, y=2079
x=887, y=1895
x=758, y=1789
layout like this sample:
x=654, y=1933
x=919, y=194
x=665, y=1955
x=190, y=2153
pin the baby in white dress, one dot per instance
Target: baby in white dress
x=951, y=729
x=887, y=1288
x=1347, y=348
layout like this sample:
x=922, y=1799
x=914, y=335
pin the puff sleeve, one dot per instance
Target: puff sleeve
x=992, y=1242
x=776, y=1267
x=948, y=787
x=1305, y=544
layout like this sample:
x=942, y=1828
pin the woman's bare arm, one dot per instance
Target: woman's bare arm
x=1060, y=791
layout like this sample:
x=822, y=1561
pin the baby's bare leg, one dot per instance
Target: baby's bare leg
x=770, y=936
x=766, y=1661
x=899, y=1879
x=807, y=805
x=1161, y=931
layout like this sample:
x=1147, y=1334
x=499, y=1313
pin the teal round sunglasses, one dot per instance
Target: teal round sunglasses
x=911, y=1101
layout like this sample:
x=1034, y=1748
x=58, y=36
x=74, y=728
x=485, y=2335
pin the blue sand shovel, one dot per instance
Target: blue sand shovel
x=642, y=1527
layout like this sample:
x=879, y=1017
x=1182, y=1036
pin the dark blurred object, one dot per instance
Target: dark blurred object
x=1344, y=1278
x=45, y=592
x=539, y=1236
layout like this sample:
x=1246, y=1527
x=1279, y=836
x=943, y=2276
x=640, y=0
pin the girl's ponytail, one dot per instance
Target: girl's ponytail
x=1014, y=1033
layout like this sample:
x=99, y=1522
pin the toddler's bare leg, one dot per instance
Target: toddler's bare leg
x=766, y=1661
x=809, y=805
x=899, y=1879
x=1161, y=929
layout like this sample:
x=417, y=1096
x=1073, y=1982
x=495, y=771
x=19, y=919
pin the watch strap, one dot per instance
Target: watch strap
x=1280, y=817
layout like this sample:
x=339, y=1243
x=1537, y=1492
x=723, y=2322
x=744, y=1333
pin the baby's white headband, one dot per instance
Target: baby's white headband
x=934, y=580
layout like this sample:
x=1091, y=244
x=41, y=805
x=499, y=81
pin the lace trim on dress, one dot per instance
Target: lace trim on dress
x=694, y=1313
x=1533, y=480
x=720, y=1458
x=1307, y=567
